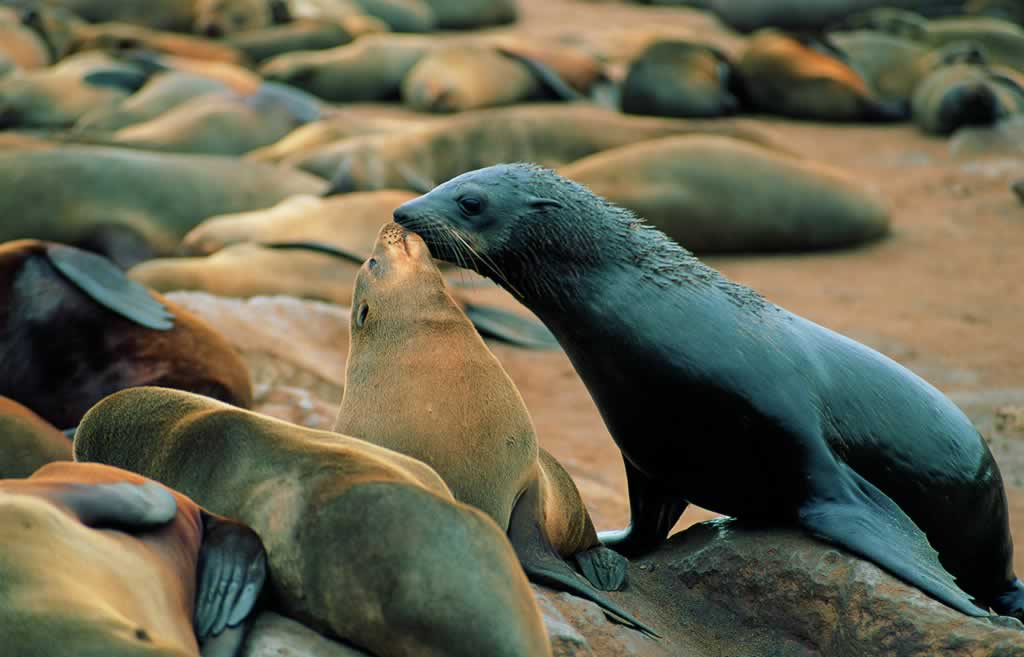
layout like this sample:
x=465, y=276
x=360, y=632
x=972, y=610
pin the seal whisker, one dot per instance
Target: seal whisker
x=485, y=260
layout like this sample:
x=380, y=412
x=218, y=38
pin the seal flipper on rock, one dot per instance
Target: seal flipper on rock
x=543, y=565
x=107, y=285
x=868, y=523
x=502, y=325
x=231, y=573
x=121, y=505
x=603, y=567
x=653, y=512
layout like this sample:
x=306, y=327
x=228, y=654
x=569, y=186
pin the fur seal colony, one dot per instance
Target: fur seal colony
x=244, y=149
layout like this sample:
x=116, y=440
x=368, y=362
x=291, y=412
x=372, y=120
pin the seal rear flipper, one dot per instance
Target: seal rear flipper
x=508, y=327
x=549, y=78
x=107, y=285
x=232, y=570
x=122, y=505
x=543, y=565
x=318, y=247
x=606, y=569
x=865, y=521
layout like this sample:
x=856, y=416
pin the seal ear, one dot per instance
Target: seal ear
x=538, y=202
x=279, y=12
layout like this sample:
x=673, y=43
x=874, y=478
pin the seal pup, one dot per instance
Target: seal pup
x=76, y=329
x=967, y=94
x=806, y=427
x=550, y=133
x=783, y=76
x=450, y=404
x=100, y=561
x=681, y=79
x=362, y=542
x=717, y=194
x=27, y=441
x=128, y=204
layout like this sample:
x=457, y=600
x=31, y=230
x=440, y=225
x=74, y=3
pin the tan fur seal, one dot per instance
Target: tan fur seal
x=100, y=561
x=341, y=125
x=22, y=46
x=118, y=37
x=783, y=76
x=57, y=96
x=363, y=543
x=967, y=94
x=554, y=134
x=716, y=194
x=130, y=205
x=420, y=380
x=217, y=123
x=370, y=68
x=27, y=441
x=76, y=330
x=681, y=79
x=304, y=34
x=347, y=221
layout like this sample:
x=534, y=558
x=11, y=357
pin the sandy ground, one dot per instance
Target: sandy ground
x=944, y=294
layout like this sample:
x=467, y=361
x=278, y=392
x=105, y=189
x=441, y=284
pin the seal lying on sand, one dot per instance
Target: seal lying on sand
x=716, y=194
x=76, y=329
x=760, y=413
x=363, y=543
x=100, y=561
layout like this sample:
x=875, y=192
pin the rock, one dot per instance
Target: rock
x=720, y=588
x=276, y=636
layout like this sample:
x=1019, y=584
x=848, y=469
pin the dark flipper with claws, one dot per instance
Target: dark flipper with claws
x=865, y=521
x=107, y=285
x=232, y=570
x=509, y=327
x=604, y=568
x=543, y=565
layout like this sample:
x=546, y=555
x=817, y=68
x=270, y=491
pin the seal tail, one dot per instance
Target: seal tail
x=865, y=521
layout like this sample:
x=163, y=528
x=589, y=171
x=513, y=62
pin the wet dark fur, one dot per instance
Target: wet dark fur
x=61, y=352
x=720, y=398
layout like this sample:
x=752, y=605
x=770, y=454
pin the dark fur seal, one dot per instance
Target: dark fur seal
x=74, y=329
x=691, y=371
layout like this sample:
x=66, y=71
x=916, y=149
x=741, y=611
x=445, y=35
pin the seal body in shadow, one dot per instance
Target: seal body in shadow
x=75, y=329
x=27, y=441
x=720, y=398
x=362, y=542
x=967, y=95
x=681, y=79
x=100, y=561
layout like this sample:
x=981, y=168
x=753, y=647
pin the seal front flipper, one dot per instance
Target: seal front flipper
x=652, y=514
x=122, y=505
x=508, y=327
x=547, y=76
x=107, y=285
x=232, y=570
x=542, y=564
x=856, y=515
x=603, y=567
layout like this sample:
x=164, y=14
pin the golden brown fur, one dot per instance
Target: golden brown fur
x=362, y=542
x=421, y=381
x=120, y=37
x=71, y=590
x=27, y=441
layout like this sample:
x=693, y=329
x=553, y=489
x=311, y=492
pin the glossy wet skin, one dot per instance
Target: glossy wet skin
x=717, y=397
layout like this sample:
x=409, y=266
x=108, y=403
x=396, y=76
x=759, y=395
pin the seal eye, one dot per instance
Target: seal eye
x=372, y=264
x=471, y=205
x=364, y=310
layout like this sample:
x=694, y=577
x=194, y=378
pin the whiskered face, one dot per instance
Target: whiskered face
x=397, y=281
x=469, y=221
